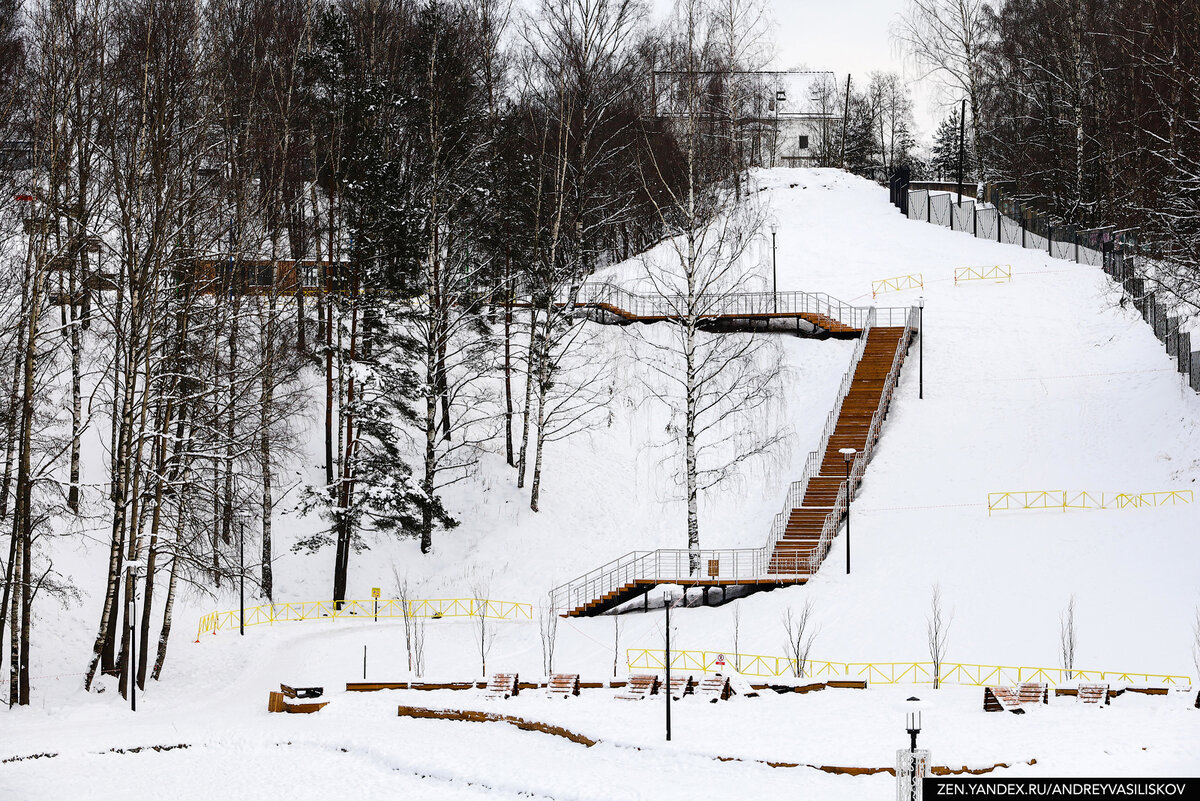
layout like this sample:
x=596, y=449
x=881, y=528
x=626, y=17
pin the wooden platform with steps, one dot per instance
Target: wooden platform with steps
x=803, y=532
x=820, y=322
x=633, y=589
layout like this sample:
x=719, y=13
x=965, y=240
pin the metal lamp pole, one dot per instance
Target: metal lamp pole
x=913, y=726
x=667, y=607
x=847, y=457
x=921, y=348
x=132, y=661
x=774, y=274
x=242, y=576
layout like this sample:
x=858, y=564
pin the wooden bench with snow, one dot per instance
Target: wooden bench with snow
x=1032, y=692
x=502, y=685
x=639, y=687
x=1001, y=699
x=564, y=684
x=682, y=685
x=276, y=703
x=301, y=692
x=1093, y=694
x=714, y=688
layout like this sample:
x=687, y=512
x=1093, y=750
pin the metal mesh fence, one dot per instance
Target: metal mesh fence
x=962, y=216
x=1011, y=219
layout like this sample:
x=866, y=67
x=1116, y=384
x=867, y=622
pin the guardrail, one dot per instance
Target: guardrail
x=749, y=565
x=1084, y=499
x=358, y=610
x=996, y=272
x=858, y=466
x=898, y=284
x=962, y=673
x=673, y=566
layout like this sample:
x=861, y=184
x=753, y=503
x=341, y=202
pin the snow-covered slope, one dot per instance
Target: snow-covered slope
x=1045, y=382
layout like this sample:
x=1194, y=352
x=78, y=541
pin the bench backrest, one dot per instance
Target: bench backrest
x=715, y=688
x=502, y=685
x=1032, y=693
x=1093, y=693
x=682, y=685
x=564, y=684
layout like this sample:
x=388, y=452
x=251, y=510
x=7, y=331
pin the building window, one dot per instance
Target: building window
x=260, y=274
x=804, y=143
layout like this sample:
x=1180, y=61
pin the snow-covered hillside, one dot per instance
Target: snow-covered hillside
x=1042, y=383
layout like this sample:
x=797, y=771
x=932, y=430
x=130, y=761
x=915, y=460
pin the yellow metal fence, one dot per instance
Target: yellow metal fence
x=995, y=272
x=886, y=672
x=897, y=284
x=358, y=610
x=1083, y=499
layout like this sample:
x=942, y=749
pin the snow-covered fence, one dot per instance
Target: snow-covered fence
x=1013, y=221
x=1084, y=499
x=962, y=216
x=360, y=610
x=962, y=673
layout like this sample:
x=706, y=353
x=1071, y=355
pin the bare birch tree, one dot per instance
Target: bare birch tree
x=937, y=633
x=801, y=630
x=1066, y=639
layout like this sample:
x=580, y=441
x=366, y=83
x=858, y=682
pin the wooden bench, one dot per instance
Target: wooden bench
x=301, y=692
x=682, y=685
x=1000, y=699
x=276, y=703
x=564, y=684
x=639, y=687
x=1093, y=694
x=502, y=685
x=1033, y=693
x=714, y=688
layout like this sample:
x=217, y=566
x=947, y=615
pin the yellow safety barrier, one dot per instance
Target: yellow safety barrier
x=996, y=272
x=887, y=672
x=389, y=608
x=897, y=284
x=1084, y=499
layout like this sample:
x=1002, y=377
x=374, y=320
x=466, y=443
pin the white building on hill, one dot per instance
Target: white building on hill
x=784, y=119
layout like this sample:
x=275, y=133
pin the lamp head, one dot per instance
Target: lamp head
x=921, y=301
x=847, y=453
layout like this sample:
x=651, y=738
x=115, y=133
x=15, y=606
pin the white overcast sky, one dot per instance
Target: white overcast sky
x=845, y=36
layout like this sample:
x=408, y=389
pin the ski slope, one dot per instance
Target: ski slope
x=1044, y=382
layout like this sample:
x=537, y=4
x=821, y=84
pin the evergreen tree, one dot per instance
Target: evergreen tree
x=944, y=163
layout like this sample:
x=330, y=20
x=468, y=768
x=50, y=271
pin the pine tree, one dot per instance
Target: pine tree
x=944, y=164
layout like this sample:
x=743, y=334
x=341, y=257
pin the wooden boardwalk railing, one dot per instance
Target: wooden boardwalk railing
x=802, y=534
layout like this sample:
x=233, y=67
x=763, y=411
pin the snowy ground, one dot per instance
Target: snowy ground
x=1042, y=383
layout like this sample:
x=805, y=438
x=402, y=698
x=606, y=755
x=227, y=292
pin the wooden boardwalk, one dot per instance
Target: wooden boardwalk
x=799, y=543
x=803, y=533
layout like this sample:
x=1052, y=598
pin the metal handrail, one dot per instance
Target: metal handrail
x=731, y=304
x=751, y=564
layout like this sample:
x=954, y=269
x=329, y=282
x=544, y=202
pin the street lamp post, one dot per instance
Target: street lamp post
x=667, y=660
x=921, y=348
x=774, y=274
x=912, y=724
x=131, y=661
x=241, y=575
x=847, y=457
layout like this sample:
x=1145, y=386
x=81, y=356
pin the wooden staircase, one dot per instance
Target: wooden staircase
x=802, y=533
x=805, y=524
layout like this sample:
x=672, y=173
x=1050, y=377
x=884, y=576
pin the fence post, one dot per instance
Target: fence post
x=1050, y=240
